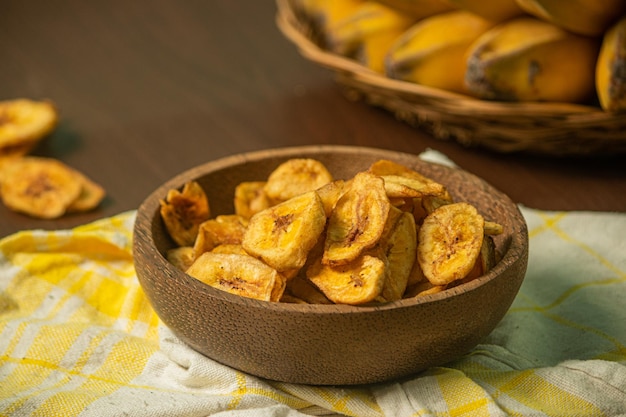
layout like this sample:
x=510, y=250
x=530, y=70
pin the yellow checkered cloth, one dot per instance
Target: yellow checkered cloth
x=79, y=338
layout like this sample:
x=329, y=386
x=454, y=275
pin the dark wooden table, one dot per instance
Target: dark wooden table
x=147, y=89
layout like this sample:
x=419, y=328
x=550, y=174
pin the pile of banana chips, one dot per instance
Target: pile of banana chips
x=37, y=186
x=302, y=236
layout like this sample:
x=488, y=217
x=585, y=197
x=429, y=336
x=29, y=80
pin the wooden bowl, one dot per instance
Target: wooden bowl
x=328, y=344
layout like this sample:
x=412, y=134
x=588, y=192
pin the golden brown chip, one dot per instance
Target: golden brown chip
x=357, y=221
x=181, y=257
x=301, y=288
x=493, y=228
x=330, y=193
x=37, y=186
x=358, y=282
x=294, y=177
x=449, y=242
x=223, y=229
x=403, y=182
x=91, y=194
x=282, y=235
x=184, y=211
x=23, y=123
x=399, y=248
x=238, y=274
x=229, y=248
x=423, y=288
x=250, y=198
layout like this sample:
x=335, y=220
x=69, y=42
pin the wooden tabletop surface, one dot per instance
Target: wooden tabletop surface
x=147, y=89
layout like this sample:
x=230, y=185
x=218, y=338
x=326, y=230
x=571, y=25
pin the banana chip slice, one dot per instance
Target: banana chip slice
x=91, y=194
x=449, y=242
x=358, y=220
x=282, y=235
x=184, y=211
x=399, y=248
x=403, y=182
x=304, y=290
x=250, y=198
x=358, y=282
x=238, y=274
x=223, y=229
x=294, y=177
x=330, y=194
x=23, y=123
x=37, y=186
x=181, y=257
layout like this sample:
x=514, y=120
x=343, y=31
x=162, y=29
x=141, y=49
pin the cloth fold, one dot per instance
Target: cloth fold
x=79, y=338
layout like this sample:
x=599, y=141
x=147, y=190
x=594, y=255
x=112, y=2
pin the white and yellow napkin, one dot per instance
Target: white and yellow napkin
x=79, y=338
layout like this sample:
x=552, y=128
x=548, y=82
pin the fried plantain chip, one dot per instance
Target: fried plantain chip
x=449, y=242
x=282, y=235
x=303, y=289
x=493, y=228
x=37, y=186
x=330, y=194
x=423, y=288
x=358, y=282
x=357, y=221
x=403, y=182
x=181, y=257
x=399, y=248
x=23, y=123
x=242, y=275
x=250, y=198
x=91, y=194
x=223, y=229
x=184, y=211
x=229, y=248
x=294, y=177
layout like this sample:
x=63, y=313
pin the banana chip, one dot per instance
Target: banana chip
x=223, y=229
x=358, y=282
x=39, y=187
x=184, y=211
x=238, y=274
x=358, y=220
x=23, y=123
x=181, y=257
x=91, y=194
x=250, y=198
x=402, y=182
x=282, y=235
x=449, y=242
x=399, y=248
x=294, y=177
x=304, y=290
x=330, y=194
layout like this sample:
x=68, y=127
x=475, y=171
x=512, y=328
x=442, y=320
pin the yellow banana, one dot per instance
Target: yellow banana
x=367, y=34
x=432, y=52
x=420, y=8
x=494, y=10
x=585, y=17
x=527, y=59
x=321, y=15
x=611, y=67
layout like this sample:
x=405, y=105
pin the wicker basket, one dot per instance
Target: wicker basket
x=558, y=129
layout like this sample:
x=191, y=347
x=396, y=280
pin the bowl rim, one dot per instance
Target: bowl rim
x=147, y=214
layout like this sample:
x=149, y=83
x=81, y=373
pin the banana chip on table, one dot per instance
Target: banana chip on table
x=237, y=274
x=184, y=211
x=46, y=188
x=294, y=177
x=449, y=242
x=282, y=235
x=23, y=123
x=357, y=221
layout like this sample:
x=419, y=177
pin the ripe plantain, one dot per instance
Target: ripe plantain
x=432, y=52
x=585, y=17
x=611, y=68
x=527, y=59
x=494, y=10
x=367, y=34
